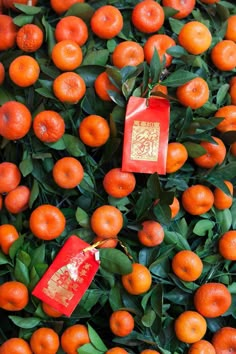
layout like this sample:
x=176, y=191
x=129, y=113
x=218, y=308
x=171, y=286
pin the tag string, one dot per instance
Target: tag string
x=101, y=242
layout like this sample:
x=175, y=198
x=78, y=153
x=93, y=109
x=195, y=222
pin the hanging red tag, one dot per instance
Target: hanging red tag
x=146, y=135
x=69, y=276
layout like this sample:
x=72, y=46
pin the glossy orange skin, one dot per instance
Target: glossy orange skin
x=44, y=340
x=8, y=31
x=119, y=184
x=187, y=265
x=29, y=38
x=48, y=126
x=18, y=199
x=184, y=7
x=128, y=53
x=24, y=71
x=139, y=281
x=222, y=200
x=177, y=155
x=8, y=235
x=223, y=55
x=224, y=340
x=215, y=153
x=160, y=42
x=102, y=85
x=69, y=87
x=94, y=130
x=229, y=121
x=15, y=346
x=106, y=221
x=148, y=16
x=68, y=172
x=2, y=73
x=67, y=55
x=14, y=296
x=71, y=28
x=226, y=245
x=106, y=22
x=121, y=323
x=10, y=176
x=231, y=28
x=193, y=94
x=151, y=233
x=61, y=6
x=190, y=327
x=201, y=347
x=197, y=199
x=74, y=337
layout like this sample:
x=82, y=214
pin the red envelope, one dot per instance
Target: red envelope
x=69, y=276
x=146, y=134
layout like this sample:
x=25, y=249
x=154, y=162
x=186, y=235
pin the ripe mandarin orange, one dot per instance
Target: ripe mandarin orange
x=197, y=199
x=48, y=126
x=67, y=55
x=149, y=351
x=94, y=130
x=229, y=122
x=215, y=153
x=184, y=7
x=116, y=350
x=160, y=43
x=29, y=38
x=8, y=235
x=212, y=299
x=103, y=85
x=187, y=265
x=74, y=337
x=18, y=121
x=69, y=87
x=193, y=94
x=50, y=311
x=24, y=71
x=159, y=88
x=68, y=172
x=17, y=200
x=44, y=340
x=2, y=73
x=121, y=323
x=15, y=345
x=105, y=242
x=128, y=53
x=119, y=184
x=201, y=347
x=14, y=296
x=223, y=55
x=10, y=4
x=10, y=176
x=190, y=327
x=106, y=221
x=61, y=6
x=176, y=157
x=221, y=199
x=151, y=233
x=138, y=281
x=224, y=340
x=174, y=207
x=47, y=222
x=226, y=245
x=232, y=90
x=72, y=28
x=195, y=37
x=233, y=149
x=107, y=22
x=231, y=28
x=148, y=16
x=8, y=31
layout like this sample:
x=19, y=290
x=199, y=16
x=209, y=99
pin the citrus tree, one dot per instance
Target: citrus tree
x=166, y=241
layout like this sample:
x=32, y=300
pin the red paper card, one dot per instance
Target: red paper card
x=69, y=276
x=146, y=135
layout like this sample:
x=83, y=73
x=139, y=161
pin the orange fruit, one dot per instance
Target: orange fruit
x=8, y=31
x=215, y=153
x=187, y=265
x=231, y=28
x=1, y=202
x=138, y=281
x=71, y=28
x=106, y=22
x=94, y=130
x=128, y=53
x=193, y=94
x=119, y=184
x=50, y=311
x=29, y=38
x=10, y=176
x=160, y=43
x=226, y=245
x=176, y=157
x=184, y=7
x=9, y=4
x=103, y=85
x=223, y=55
x=190, y=327
x=221, y=199
x=74, y=337
x=209, y=1
x=233, y=149
x=105, y=242
x=61, y=6
x=229, y=121
x=195, y=37
x=106, y=221
x=8, y=235
x=14, y=296
x=48, y=126
x=24, y=71
x=149, y=351
x=201, y=347
x=18, y=121
x=69, y=87
x=224, y=340
x=148, y=16
x=151, y=233
x=197, y=199
x=67, y=55
x=68, y=172
x=15, y=346
x=116, y=350
x=174, y=207
x=212, y=299
x=17, y=200
x=159, y=88
x=232, y=90
x=47, y=222
x=2, y=73
x=121, y=323
x=44, y=340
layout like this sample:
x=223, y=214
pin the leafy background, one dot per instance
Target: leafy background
x=155, y=311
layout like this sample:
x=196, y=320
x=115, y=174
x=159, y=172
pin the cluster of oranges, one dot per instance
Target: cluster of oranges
x=67, y=71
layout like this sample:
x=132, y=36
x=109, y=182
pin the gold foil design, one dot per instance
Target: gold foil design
x=145, y=141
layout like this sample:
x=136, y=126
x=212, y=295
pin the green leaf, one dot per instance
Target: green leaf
x=221, y=94
x=194, y=149
x=34, y=193
x=22, y=20
x=88, y=349
x=96, y=57
x=177, y=239
x=82, y=217
x=21, y=272
x=58, y=145
x=115, y=261
x=73, y=145
x=224, y=219
x=155, y=67
x=38, y=255
x=175, y=25
x=202, y=227
x=178, y=78
x=16, y=246
x=5, y=96
x=4, y=259
x=148, y=318
x=26, y=166
x=28, y=10
x=22, y=322
x=177, y=51
x=96, y=340
x=82, y=10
